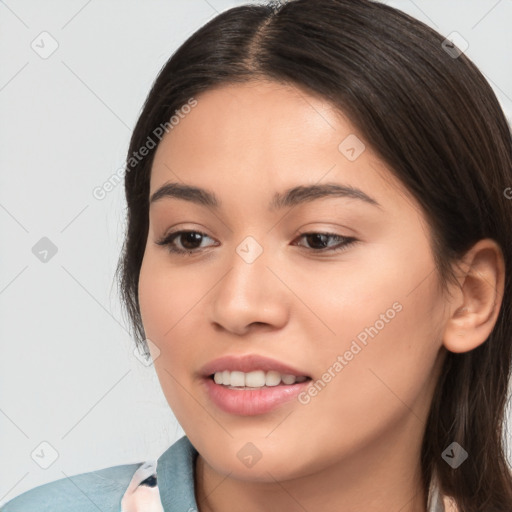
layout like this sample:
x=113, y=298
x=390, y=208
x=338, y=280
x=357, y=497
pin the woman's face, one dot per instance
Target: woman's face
x=363, y=323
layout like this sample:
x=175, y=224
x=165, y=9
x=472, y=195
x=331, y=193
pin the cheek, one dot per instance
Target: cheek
x=165, y=296
x=165, y=304
x=387, y=323
x=389, y=353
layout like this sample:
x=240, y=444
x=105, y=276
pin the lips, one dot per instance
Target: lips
x=247, y=401
x=249, y=363
x=252, y=402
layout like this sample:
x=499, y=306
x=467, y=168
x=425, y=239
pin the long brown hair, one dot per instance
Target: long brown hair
x=433, y=118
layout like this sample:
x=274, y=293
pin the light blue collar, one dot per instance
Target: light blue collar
x=175, y=476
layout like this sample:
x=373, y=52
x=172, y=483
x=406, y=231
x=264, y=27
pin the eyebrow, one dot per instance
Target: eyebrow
x=291, y=197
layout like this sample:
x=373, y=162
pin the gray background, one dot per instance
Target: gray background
x=68, y=374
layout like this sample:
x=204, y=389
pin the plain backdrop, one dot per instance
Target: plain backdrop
x=73, y=396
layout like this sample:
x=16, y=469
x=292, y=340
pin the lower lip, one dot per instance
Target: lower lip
x=250, y=402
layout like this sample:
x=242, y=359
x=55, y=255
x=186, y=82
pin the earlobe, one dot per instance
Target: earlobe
x=474, y=314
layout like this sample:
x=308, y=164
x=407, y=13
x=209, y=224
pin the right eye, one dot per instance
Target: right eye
x=188, y=240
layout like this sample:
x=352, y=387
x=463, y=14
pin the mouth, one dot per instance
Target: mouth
x=251, y=384
x=257, y=379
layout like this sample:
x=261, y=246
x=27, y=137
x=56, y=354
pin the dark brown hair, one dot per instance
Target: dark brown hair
x=433, y=118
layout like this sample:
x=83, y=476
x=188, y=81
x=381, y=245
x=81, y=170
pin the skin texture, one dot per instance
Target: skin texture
x=357, y=443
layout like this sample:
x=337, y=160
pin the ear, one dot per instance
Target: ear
x=475, y=309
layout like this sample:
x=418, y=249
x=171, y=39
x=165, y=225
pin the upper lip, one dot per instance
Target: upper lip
x=248, y=363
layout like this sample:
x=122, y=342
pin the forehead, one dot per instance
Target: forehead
x=241, y=117
x=261, y=135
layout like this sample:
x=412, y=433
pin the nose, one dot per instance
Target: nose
x=249, y=296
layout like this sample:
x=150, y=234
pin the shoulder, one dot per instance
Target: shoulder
x=125, y=487
x=101, y=489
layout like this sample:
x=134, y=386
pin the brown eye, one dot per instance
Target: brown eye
x=319, y=241
x=189, y=240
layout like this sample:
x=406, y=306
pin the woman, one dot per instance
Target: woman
x=318, y=259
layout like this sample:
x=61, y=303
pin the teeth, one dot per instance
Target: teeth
x=237, y=379
x=272, y=378
x=255, y=379
x=288, y=379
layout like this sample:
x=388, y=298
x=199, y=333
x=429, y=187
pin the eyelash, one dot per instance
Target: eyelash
x=168, y=241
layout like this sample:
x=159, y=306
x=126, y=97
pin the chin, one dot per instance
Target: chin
x=243, y=460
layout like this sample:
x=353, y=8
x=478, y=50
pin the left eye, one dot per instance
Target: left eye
x=320, y=238
x=189, y=239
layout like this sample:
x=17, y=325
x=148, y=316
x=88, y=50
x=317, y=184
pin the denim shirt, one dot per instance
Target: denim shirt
x=134, y=488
